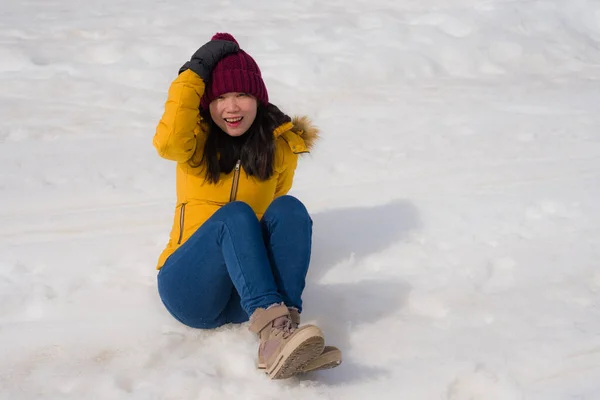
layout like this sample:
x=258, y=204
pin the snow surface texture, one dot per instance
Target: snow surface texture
x=454, y=194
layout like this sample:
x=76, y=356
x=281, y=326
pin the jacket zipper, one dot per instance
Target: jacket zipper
x=236, y=178
x=181, y=220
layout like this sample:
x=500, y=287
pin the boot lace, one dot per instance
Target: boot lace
x=283, y=326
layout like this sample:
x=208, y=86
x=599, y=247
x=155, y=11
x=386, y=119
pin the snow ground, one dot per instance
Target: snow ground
x=455, y=197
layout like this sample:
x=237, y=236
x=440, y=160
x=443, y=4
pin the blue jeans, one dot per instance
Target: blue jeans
x=234, y=264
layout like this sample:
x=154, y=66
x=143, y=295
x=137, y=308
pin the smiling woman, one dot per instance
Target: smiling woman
x=240, y=246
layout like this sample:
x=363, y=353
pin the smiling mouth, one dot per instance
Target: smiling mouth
x=233, y=120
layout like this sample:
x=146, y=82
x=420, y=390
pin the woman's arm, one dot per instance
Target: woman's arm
x=175, y=138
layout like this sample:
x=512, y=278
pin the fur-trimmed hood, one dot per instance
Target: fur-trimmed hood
x=305, y=128
x=299, y=133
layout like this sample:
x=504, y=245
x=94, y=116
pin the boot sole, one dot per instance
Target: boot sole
x=301, y=349
x=327, y=360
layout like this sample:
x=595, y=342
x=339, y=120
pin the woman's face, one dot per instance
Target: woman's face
x=234, y=112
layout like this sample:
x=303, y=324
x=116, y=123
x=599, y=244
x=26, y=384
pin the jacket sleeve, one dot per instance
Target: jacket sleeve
x=288, y=162
x=175, y=137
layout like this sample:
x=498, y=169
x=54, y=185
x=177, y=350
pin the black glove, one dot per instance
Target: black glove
x=206, y=57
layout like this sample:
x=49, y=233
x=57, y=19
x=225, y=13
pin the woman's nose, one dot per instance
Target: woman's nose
x=231, y=104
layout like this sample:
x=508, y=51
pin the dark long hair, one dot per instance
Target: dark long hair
x=255, y=148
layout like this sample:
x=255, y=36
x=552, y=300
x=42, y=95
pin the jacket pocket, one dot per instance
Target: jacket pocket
x=181, y=222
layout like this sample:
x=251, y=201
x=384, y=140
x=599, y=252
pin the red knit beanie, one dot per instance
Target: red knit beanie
x=237, y=72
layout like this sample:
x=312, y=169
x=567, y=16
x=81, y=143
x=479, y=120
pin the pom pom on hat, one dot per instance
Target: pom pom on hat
x=224, y=36
x=236, y=72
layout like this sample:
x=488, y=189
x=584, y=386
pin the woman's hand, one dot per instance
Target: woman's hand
x=206, y=57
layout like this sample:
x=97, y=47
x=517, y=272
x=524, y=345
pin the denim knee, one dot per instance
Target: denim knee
x=289, y=206
x=238, y=211
x=237, y=207
x=288, y=201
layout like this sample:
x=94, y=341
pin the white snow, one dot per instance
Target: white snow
x=454, y=193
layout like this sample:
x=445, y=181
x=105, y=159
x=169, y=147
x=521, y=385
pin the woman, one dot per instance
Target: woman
x=240, y=247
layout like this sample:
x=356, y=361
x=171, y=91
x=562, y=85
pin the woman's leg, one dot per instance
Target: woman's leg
x=197, y=285
x=287, y=233
x=197, y=281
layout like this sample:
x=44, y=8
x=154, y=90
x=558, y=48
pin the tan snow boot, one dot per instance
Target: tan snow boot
x=284, y=348
x=331, y=356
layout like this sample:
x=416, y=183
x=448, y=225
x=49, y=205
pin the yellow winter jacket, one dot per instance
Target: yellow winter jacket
x=180, y=136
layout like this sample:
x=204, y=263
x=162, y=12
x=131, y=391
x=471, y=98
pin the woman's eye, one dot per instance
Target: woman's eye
x=242, y=95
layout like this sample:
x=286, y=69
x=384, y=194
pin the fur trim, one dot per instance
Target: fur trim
x=304, y=128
